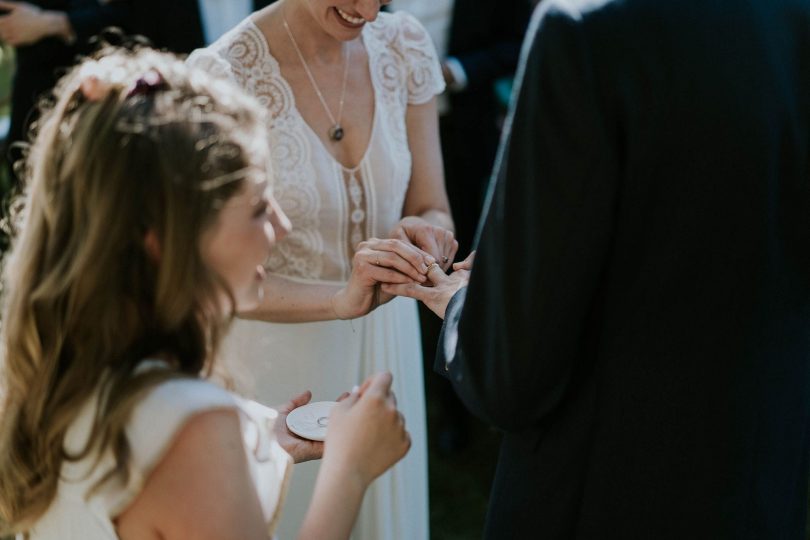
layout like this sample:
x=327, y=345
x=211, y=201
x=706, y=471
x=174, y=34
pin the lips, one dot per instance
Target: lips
x=349, y=20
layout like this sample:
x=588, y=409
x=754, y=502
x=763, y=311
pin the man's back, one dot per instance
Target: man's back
x=641, y=324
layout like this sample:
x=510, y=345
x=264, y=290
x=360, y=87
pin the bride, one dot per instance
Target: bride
x=353, y=126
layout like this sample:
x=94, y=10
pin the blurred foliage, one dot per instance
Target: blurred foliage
x=6, y=74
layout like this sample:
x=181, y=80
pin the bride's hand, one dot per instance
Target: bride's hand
x=379, y=261
x=438, y=242
x=437, y=297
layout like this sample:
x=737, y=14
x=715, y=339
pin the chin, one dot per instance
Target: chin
x=341, y=29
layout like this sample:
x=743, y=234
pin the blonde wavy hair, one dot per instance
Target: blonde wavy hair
x=85, y=300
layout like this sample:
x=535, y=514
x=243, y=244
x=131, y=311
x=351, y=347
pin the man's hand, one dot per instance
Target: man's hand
x=437, y=297
x=438, y=242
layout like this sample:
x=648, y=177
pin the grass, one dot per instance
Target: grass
x=460, y=483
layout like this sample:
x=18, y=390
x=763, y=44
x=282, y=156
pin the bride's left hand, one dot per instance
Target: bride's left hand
x=437, y=241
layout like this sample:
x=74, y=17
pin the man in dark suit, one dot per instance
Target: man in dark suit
x=484, y=39
x=638, y=318
x=479, y=43
x=47, y=34
x=176, y=25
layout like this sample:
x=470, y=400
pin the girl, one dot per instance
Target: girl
x=145, y=224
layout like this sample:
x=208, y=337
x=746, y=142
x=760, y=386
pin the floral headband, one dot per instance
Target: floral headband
x=96, y=88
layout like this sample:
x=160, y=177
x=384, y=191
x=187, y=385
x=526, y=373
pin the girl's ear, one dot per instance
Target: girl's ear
x=152, y=245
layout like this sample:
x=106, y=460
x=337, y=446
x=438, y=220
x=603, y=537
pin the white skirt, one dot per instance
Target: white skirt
x=273, y=362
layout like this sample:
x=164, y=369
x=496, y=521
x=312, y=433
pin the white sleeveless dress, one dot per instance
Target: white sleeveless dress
x=155, y=422
x=332, y=209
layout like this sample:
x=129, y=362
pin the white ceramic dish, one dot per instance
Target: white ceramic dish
x=310, y=421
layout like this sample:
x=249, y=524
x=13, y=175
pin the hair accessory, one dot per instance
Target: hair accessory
x=91, y=84
x=149, y=83
x=94, y=89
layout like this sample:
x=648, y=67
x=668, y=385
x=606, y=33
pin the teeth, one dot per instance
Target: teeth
x=349, y=18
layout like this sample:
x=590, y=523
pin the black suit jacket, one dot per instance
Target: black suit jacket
x=638, y=319
x=175, y=25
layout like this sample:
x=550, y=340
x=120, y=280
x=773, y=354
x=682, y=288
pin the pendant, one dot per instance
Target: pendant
x=336, y=132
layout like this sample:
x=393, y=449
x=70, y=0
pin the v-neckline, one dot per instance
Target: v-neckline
x=294, y=107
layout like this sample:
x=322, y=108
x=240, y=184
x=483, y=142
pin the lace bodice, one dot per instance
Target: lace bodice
x=333, y=208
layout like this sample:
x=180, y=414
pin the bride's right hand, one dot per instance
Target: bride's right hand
x=379, y=261
x=366, y=433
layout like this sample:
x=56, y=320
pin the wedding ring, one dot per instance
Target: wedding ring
x=445, y=258
x=377, y=262
x=432, y=266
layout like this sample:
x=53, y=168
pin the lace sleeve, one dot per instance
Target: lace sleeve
x=209, y=61
x=425, y=78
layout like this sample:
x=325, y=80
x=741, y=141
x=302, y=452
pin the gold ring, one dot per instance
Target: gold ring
x=432, y=266
x=377, y=262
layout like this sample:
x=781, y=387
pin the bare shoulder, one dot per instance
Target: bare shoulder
x=201, y=488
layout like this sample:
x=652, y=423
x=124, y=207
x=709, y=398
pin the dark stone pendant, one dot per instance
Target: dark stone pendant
x=336, y=132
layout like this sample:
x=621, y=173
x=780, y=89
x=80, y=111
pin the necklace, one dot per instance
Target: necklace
x=336, y=132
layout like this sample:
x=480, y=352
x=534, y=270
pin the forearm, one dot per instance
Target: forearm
x=438, y=218
x=288, y=301
x=334, y=507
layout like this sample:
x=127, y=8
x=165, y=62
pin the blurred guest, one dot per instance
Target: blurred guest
x=47, y=34
x=184, y=25
x=479, y=42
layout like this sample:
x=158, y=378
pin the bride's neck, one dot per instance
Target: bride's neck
x=315, y=44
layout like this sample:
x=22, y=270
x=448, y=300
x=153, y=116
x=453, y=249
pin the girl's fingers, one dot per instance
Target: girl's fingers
x=380, y=385
x=301, y=399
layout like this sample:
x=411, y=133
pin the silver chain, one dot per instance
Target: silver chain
x=315, y=85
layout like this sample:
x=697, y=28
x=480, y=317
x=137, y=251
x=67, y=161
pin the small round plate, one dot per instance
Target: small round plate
x=309, y=421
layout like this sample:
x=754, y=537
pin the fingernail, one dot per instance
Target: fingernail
x=355, y=389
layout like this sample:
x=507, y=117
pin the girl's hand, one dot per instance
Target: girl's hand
x=300, y=449
x=438, y=242
x=366, y=433
x=379, y=261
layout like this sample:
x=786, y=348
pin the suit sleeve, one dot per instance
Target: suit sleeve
x=517, y=335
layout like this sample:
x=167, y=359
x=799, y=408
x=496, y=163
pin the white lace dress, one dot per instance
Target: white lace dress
x=80, y=513
x=332, y=209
